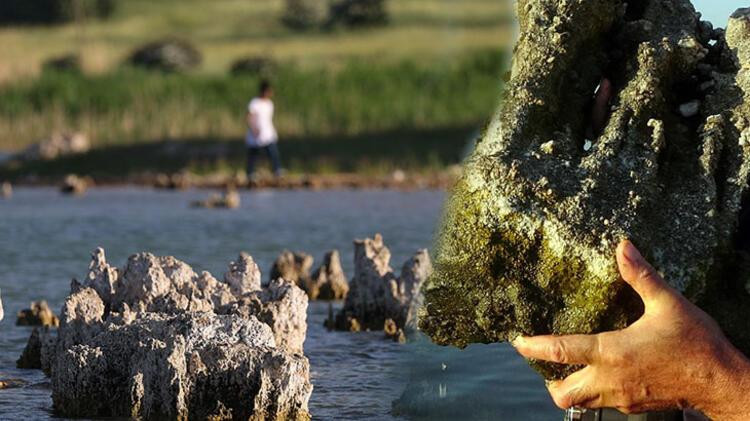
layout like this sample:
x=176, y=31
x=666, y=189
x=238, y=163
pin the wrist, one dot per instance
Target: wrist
x=728, y=394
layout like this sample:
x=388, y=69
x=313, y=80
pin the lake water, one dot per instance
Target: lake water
x=46, y=239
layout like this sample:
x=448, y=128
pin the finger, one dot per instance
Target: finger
x=639, y=274
x=573, y=349
x=578, y=389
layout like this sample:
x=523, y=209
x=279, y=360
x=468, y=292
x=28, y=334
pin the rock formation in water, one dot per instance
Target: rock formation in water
x=328, y=282
x=39, y=314
x=75, y=185
x=377, y=298
x=6, y=190
x=228, y=199
x=293, y=266
x=527, y=244
x=157, y=340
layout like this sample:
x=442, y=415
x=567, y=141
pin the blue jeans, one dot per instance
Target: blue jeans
x=272, y=151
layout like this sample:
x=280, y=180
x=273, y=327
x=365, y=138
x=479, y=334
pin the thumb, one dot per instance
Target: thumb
x=638, y=273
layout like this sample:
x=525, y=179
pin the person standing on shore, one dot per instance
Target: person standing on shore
x=261, y=133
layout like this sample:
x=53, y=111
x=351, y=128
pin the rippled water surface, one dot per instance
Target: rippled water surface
x=46, y=239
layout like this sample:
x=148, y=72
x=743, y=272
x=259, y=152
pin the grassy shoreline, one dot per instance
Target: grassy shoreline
x=425, y=154
x=133, y=106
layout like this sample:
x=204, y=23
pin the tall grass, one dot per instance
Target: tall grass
x=131, y=106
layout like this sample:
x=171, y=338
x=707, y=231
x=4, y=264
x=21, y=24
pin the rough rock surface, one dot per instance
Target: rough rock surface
x=277, y=306
x=38, y=315
x=527, y=245
x=376, y=294
x=156, y=340
x=328, y=282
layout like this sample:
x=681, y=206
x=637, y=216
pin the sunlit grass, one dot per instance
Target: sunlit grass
x=226, y=30
x=133, y=106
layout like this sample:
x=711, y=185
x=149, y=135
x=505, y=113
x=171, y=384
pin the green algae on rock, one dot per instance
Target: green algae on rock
x=528, y=238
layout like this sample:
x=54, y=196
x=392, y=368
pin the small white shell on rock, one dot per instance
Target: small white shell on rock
x=587, y=145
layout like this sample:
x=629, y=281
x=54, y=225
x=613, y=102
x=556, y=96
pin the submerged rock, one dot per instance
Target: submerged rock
x=76, y=185
x=376, y=294
x=38, y=315
x=228, y=199
x=527, y=244
x=156, y=340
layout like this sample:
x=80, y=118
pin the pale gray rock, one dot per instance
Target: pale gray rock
x=376, y=294
x=183, y=366
x=157, y=340
x=282, y=305
x=101, y=276
x=243, y=276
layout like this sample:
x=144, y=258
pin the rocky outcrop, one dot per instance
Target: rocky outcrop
x=58, y=145
x=293, y=266
x=277, y=306
x=376, y=294
x=328, y=282
x=38, y=315
x=228, y=199
x=76, y=185
x=527, y=245
x=156, y=340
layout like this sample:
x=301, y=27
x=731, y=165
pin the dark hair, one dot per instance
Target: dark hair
x=264, y=86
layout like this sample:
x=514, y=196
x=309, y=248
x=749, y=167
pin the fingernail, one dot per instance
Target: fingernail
x=631, y=253
x=518, y=341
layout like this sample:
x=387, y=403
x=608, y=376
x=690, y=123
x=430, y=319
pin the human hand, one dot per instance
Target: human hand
x=674, y=356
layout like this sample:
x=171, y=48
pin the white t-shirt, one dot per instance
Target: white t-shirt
x=261, y=110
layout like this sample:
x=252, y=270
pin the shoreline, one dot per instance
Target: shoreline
x=398, y=180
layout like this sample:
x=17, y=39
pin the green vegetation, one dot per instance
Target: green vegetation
x=131, y=105
x=228, y=30
x=404, y=95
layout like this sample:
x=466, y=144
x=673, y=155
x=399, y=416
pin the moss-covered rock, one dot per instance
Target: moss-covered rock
x=527, y=244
